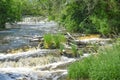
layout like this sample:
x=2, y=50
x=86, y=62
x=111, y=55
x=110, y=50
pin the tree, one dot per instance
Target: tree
x=10, y=11
x=106, y=16
x=92, y=16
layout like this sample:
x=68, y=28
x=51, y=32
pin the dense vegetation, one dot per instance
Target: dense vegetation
x=92, y=16
x=104, y=66
x=10, y=11
x=84, y=16
x=53, y=41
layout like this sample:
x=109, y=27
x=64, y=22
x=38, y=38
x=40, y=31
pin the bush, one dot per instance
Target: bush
x=53, y=41
x=48, y=40
x=104, y=66
x=10, y=11
x=92, y=16
x=107, y=65
x=73, y=14
x=58, y=40
x=74, y=50
x=79, y=70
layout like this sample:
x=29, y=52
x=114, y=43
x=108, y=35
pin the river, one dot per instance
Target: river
x=38, y=64
x=21, y=33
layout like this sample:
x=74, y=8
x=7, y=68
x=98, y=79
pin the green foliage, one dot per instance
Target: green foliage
x=10, y=11
x=72, y=15
x=61, y=48
x=74, y=50
x=49, y=8
x=53, y=41
x=79, y=70
x=84, y=16
x=31, y=7
x=92, y=16
x=80, y=52
x=101, y=24
x=104, y=66
x=105, y=16
x=75, y=17
x=48, y=40
x=58, y=39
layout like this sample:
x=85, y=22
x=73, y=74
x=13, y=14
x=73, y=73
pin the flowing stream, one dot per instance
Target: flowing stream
x=19, y=35
x=35, y=64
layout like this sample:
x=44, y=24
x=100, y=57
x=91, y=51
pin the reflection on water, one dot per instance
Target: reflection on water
x=18, y=37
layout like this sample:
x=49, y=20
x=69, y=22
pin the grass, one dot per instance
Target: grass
x=79, y=70
x=104, y=66
x=107, y=65
x=53, y=40
x=74, y=50
x=48, y=40
x=61, y=48
x=58, y=40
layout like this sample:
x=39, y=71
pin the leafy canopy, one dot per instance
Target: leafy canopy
x=10, y=11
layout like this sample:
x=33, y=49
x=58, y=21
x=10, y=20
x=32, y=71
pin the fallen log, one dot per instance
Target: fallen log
x=36, y=39
x=70, y=36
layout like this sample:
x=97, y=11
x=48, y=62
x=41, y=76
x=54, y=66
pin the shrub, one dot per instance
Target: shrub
x=53, y=41
x=74, y=50
x=92, y=16
x=58, y=39
x=10, y=11
x=48, y=40
x=104, y=66
x=79, y=70
x=107, y=65
x=61, y=48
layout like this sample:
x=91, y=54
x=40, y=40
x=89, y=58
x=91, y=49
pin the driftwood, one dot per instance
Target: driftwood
x=84, y=42
x=16, y=57
x=34, y=38
x=70, y=36
x=38, y=39
x=72, y=40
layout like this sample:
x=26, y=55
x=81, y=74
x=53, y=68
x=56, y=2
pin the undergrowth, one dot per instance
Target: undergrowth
x=53, y=40
x=103, y=66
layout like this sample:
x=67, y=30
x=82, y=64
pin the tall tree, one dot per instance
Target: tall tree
x=10, y=11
